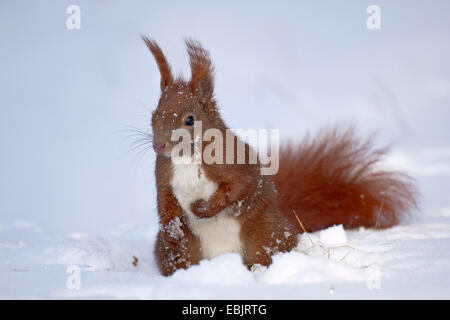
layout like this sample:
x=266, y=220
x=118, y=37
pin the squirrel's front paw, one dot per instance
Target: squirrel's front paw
x=201, y=208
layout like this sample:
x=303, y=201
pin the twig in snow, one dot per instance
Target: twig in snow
x=378, y=216
x=301, y=225
x=342, y=259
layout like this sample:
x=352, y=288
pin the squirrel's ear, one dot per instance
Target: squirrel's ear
x=202, y=71
x=164, y=67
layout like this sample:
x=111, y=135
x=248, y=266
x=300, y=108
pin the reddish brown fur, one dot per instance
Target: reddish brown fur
x=321, y=179
x=333, y=179
x=164, y=68
x=202, y=70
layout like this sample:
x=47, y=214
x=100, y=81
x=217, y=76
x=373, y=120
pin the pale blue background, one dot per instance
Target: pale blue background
x=67, y=96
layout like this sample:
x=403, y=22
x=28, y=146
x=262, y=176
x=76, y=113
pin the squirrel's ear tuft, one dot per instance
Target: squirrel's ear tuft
x=202, y=71
x=164, y=67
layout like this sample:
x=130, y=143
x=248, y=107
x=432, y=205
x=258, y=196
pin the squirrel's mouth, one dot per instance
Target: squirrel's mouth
x=160, y=149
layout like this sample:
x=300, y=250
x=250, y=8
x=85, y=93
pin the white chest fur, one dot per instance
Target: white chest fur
x=219, y=234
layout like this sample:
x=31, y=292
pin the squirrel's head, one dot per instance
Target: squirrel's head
x=183, y=103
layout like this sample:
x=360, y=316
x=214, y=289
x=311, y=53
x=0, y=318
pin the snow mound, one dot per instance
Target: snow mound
x=333, y=236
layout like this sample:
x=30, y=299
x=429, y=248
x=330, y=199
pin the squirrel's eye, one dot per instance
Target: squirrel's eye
x=189, y=121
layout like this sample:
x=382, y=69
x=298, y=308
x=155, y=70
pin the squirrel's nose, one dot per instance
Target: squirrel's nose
x=159, y=149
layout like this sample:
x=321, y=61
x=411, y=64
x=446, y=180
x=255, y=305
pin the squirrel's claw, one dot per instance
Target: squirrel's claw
x=170, y=241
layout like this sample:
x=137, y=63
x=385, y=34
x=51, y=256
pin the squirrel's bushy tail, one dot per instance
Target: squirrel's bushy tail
x=335, y=178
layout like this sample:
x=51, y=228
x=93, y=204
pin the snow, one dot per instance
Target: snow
x=407, y=261
x=333, y=236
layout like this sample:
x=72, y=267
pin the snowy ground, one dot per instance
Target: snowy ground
x=408, y=261
x=73, y=194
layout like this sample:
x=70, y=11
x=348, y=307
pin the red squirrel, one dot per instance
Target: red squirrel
x=209, y=209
